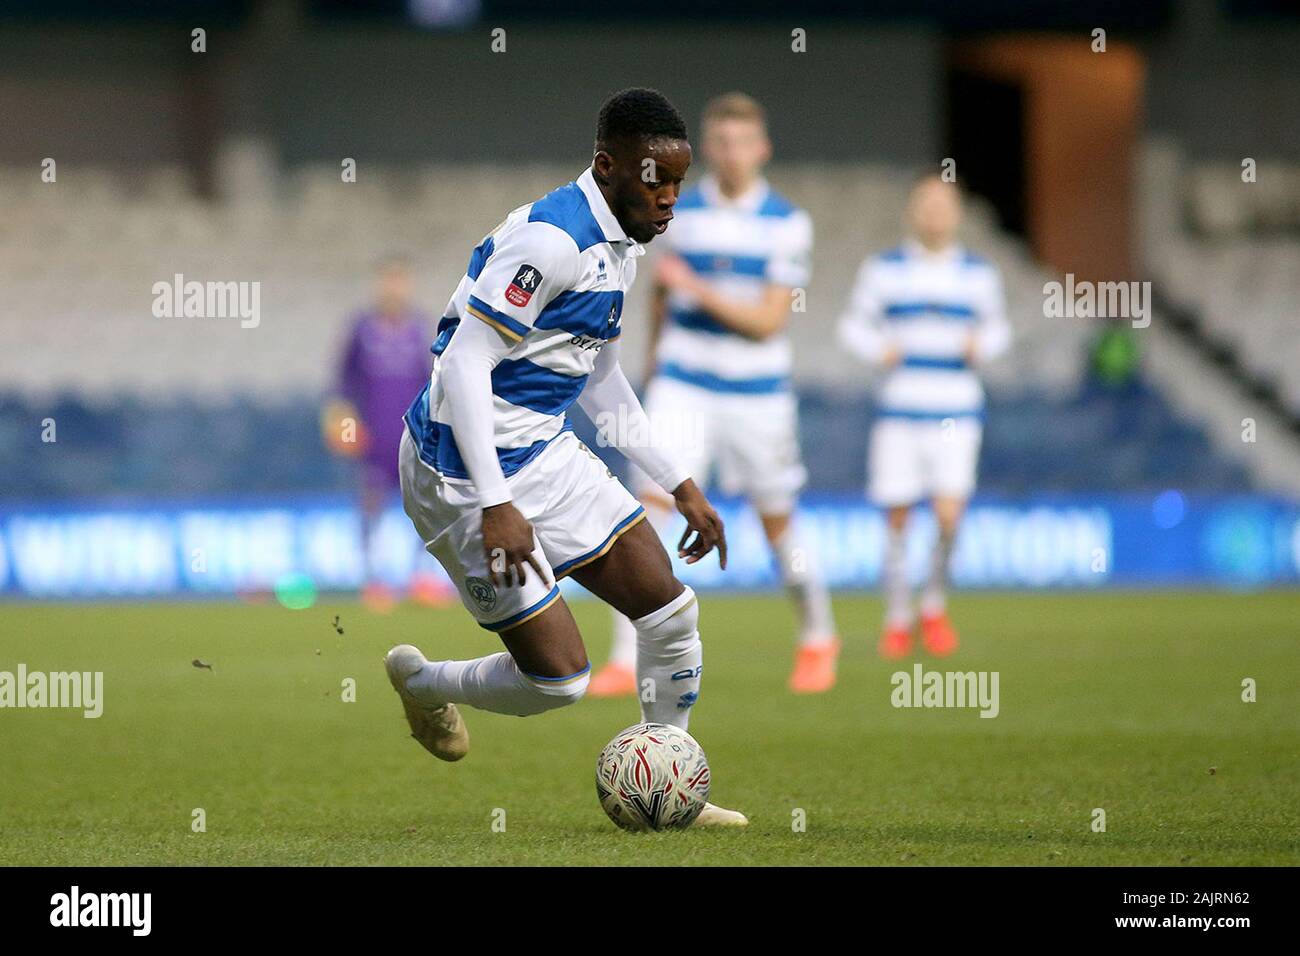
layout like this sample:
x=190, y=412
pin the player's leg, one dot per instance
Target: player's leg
x=895, y=484
x=937, y=633
x=955, y=453
x=377, y=486
x=818, y=647
x=543, y=667
x=593, y=529
x=680, y=423
x=618, y=677
x=802, y=576
x=758, y=449
x=551, y=669
x=896, y=636
x=635, y=577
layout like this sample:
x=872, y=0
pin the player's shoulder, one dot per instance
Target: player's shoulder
x=894, y=255
x=541, y=243
x=777, y=206
x=973, y=260
x=564, y=211
x=977, y=265
x=790, y=226
x=691, y=199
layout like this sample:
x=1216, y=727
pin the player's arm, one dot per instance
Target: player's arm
x=610, y=402
x=862, y=329
x=523, y=275
x=992, y=336
x=349, y=368
x=345, y=403
x=754, y=320
x=788, y=268
x=658, y=316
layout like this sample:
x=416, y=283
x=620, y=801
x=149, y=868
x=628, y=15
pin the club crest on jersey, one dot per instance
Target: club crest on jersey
x=483, y=593
x=523, y=285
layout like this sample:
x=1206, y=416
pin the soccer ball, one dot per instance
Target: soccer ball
x=652, y=777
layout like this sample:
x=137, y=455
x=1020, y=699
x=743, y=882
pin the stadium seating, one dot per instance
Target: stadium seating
x=1234, y=259
x=183, y=406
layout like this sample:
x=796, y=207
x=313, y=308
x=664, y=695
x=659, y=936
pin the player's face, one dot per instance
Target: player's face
x=935, y=212
x=736, y=149
x=393, y=289
x=645, y=181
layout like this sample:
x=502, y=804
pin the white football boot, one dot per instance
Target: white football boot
x=715, y=816
x=438, y=728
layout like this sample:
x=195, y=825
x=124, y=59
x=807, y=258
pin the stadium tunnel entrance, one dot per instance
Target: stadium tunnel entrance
x=1046, y=128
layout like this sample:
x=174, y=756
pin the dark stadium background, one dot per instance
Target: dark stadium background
x=1057, y=143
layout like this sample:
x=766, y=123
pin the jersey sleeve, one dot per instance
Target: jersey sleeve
x=862, y=329
x=533, y=263
x=791, y=261
x=993, y=335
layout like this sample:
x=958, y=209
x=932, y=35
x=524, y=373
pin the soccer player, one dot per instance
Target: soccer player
x=498, y=486
x=721, y=359
x=927, y=313
x=386, y=358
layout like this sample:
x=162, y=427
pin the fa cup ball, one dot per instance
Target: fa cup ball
x=652, y=777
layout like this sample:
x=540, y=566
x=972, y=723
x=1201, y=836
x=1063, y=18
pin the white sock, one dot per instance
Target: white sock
x=898, y=594
x=802, y=579
x=934, y=597
x=623, y=649
x=497, y=684
x=669, y=656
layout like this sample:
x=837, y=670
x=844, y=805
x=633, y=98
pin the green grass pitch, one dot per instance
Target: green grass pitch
x=1126, y=702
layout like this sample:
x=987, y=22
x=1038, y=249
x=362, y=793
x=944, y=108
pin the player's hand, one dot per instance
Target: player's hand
x=704, y=521
x=508, y=544
x=342, y=430
x=672, y=272
x=892, y=356
x=972, y=350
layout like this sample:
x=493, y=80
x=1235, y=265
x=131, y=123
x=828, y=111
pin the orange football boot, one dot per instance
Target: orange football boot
x=895, y=643
x=613, y=680
x=814, y=667
x=378, y=598
x=937, y=634
x=429, y=590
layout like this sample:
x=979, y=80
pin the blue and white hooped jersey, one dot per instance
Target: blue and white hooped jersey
x=551, y=278
x=931, y=306
x=739, y=247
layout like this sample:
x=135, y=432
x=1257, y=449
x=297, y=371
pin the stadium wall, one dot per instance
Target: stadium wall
x=379, y=94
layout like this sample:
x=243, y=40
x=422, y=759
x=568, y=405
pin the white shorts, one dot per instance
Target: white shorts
x=912, y=459
x=577, y=508
x=752, y=439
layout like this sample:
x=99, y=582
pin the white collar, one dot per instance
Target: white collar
x=605, y=218
x=948, y=253
x=748, y=201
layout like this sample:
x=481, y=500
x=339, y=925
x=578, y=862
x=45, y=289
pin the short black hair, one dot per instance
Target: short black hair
x=638, y=113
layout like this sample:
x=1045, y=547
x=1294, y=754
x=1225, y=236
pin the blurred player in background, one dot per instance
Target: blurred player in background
x=385, y=360
x=926, y=313
x=720, y=392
